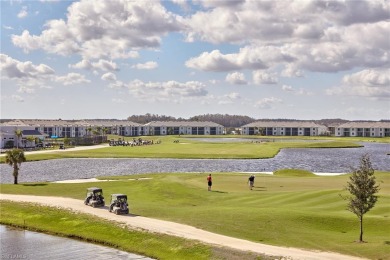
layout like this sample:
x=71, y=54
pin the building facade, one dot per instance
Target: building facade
x=363, y=129
x=27, y=138
x=183, y=128
x=284, y=128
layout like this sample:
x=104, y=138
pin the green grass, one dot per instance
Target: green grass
x=305, y=212
x=191, y=148
x=294, y=172
x=92, y=229
x=96, y=230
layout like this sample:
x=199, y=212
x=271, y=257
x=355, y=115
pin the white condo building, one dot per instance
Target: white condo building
x=284, y=128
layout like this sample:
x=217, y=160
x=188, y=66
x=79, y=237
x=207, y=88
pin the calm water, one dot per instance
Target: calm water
x=21, y=244
x=316, y=160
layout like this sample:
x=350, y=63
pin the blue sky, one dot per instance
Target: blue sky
x=264, y=59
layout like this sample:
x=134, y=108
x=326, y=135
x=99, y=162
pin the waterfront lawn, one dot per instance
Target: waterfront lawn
x=297, y=210
x=95, y=230
x=192, y=149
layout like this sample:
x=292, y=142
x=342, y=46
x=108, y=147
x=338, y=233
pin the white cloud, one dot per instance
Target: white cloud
x=287, y=88
x=291, y=70
x=216, y=61
x=17, y=98
x=103, y=65
x=168, y=91
x=103, y=29
x=72, y=79
x=109, y=76
x=233, y=21
x=23, y=13
x=146, y=66
x=318, y=36
x=264, y=77
x=233, y=96
x=14, y=69
x=24, y=89
x=267, y=103
x=83, y=64
x=304, y=92
x=366, y=83
x=8, y=27
x=236, y=78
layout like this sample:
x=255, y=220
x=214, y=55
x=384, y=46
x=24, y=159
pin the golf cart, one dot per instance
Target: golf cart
x=94, y=197
x=119, y=204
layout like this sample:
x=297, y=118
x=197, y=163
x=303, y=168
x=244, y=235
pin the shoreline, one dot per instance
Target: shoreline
x=87, y=180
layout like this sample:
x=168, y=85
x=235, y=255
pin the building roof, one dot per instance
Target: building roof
x=367, y=124
x=31, y=132
x=14, y=123
x=109, y=123
x=59, y=122
x=43, y=122
x=283, y=124
x=183, y=123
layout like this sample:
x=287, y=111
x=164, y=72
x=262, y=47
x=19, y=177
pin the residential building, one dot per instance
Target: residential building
x=183, y=128
x=366, y=129
x=8, y=137
x=284, y=128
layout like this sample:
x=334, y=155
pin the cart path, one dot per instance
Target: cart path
x=180, y=230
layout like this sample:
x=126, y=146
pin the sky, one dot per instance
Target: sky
x=99, y=59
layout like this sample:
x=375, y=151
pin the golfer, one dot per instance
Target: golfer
x=251, y=181
x=209, y=182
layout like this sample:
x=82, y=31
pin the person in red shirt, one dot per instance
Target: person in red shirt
x=209, y=182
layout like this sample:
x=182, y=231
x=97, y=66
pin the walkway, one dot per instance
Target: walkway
x=180, y=230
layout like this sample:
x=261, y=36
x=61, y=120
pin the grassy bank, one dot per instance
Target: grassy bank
x=302, y=211
x=191, y=148
x=92, y=229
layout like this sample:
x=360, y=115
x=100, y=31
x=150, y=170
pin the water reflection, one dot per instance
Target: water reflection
x=316, y=160
x=21, y=244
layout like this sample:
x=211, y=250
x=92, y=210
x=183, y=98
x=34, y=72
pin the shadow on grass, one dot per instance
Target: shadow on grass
x=259, y=188
x=217, y=191
x=106, y=208
x=35, y=185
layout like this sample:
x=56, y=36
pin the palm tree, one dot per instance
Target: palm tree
x=99, y=130
x=18, y=134
x=14, y=158
x=30, y=140
x=104, y=130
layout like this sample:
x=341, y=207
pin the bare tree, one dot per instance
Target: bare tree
x=362, y=186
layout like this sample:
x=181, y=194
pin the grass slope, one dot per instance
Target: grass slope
x=286, y=210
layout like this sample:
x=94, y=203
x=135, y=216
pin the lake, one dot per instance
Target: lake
x=323, y=160
x=22, y=244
